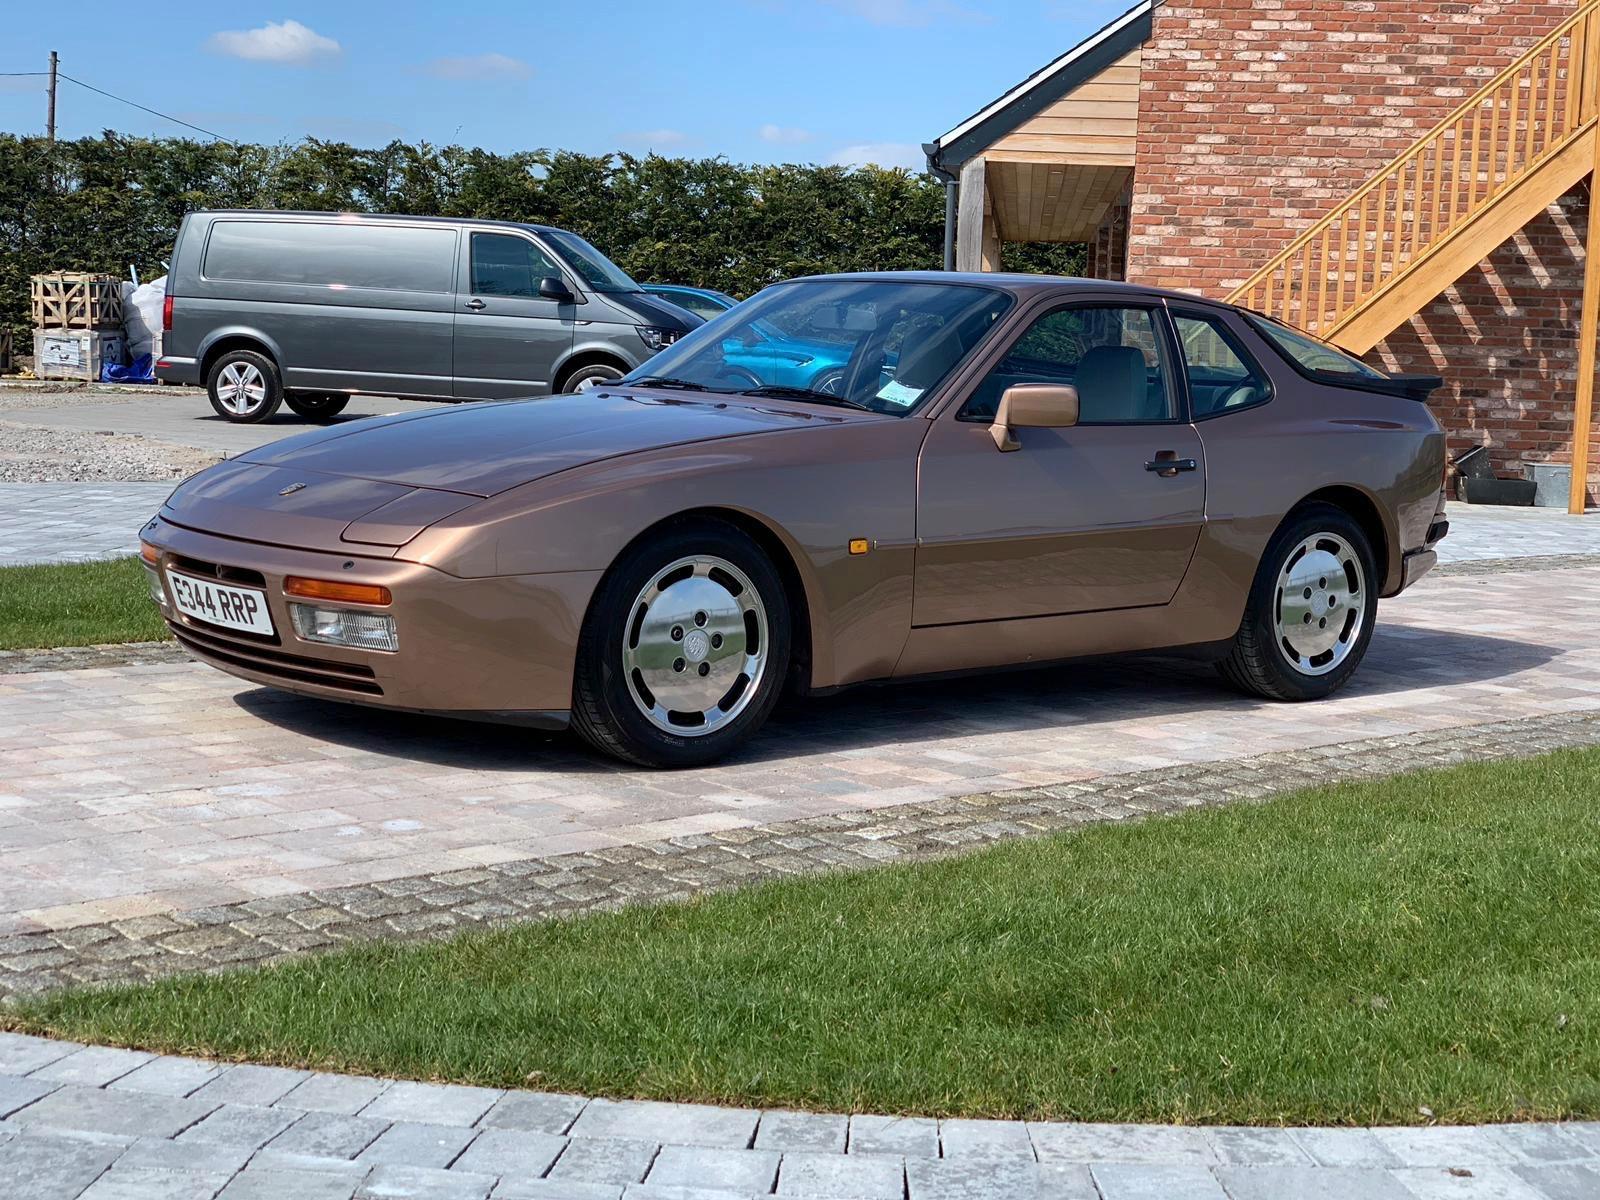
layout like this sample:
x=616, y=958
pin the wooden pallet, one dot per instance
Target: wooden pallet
x=81, y=301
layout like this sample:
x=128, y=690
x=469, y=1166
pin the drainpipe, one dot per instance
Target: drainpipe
x=952, y=190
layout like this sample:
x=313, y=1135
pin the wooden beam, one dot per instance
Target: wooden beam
x=970, y=215
x=1588, y=331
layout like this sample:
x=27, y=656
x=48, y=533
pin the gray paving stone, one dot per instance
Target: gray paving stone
x=256, y=1183
x=1541, y=1143
x=646, y=1191
x=1241, y=1145
x=858, y=1177
x=667, y=1124
x=393, y=1182
x=1306, y=1183
x=433, y=1103
x=46, y=1166
x=413, y=1144
x=748, y=1171
x=983, y=1178
x=1447, y=1146
x=985, y=1139
x=555, y=1189
x=21, y=1053
x=17, y=1093
x=1169, y=1181
x=520, y=1152
x=329, y=1135
x=283, y=1160
x=161, y=1154
x=1563, y=1182
x=918, y=1136
x=604, y=1160
x=1585, y=1133
x=784, y=1130
x=345, y=1095
x=127, y=1113
x=1478, y=1183
x=1067, y=1181
x=133, y=1183
x=239, y=1125
x=1345, y=1148
x=169, y=1075
x=1088, y=1143
x=93, y=1066
x=542, y=1112
x=249, y=1084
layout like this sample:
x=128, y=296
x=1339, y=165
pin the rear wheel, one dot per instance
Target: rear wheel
x=1311, y=611
x=244, y=387
x=317, y=406
x=685, y=649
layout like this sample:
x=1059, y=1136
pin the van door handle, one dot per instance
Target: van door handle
x=1166, y=464
x=475, y=304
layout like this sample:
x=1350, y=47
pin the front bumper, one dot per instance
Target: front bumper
x=498, y=649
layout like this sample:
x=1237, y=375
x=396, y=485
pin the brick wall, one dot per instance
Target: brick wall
x=1257, y=116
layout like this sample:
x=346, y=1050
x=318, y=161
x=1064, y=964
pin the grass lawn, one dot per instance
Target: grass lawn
x=76, y=604
x=1341, y=955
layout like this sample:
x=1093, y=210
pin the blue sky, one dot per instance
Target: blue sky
x=753, y=80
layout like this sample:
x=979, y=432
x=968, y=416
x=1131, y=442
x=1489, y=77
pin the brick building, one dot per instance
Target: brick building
x=1408, y=178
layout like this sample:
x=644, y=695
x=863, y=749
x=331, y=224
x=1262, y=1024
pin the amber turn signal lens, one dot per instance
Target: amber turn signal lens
x=328, y=589
x=859, y=545
x=149, y=553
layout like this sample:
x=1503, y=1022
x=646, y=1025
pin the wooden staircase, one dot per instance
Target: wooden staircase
x=1524, y=139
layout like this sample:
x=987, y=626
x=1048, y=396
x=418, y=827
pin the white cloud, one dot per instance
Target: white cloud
x=658, y=139
x=907, y=13
x=882, y=154
x=785, y=135
x=477, y=66
x=275, y=42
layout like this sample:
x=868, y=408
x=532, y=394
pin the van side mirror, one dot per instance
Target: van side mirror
x=1033, y=406
x=551, y=287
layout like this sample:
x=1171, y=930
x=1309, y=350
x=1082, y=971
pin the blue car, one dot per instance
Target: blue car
x=774, y=356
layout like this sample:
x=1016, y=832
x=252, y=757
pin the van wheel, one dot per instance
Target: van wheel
x=588, y=377
x=244, y=387
x=316, y=406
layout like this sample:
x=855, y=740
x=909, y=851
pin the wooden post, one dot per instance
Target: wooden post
x=1588, y=332
x=970, y=215
x=50, y=109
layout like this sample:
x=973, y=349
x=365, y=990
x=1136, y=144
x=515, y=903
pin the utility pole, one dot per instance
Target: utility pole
x=50, y=113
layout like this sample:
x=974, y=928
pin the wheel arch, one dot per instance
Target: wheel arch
x=224, y=340
x=584, y=358
x=1369, y=514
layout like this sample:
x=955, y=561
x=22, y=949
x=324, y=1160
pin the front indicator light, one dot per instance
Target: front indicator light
x=149, y=553
x=345, y=627
x=344, y=593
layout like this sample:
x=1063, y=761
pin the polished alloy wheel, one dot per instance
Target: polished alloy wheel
x=241, y=387
x=696, y=646
x=1321, y=603
x=588, y=383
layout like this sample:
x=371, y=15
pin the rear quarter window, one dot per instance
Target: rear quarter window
x=315, y=254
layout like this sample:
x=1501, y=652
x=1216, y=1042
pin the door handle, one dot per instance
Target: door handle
x=475, y=304
x=1166, y=464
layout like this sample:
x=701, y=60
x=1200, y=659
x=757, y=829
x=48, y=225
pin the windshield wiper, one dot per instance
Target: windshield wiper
x=784, y=392
x=667, y=381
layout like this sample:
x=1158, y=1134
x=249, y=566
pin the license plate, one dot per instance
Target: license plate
x=221, y=604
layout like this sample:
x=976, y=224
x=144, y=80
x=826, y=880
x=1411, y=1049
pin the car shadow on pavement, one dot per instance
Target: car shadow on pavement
x=1155, y=687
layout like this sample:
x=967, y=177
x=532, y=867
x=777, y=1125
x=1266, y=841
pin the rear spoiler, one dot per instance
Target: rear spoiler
x=1409, y=387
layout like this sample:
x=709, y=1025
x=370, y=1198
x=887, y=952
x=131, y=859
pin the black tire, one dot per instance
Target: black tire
x=605, y=708
x=317, y=406
x=829, y=382
x=589, y=375
x=1258, y=662
x=231, y=379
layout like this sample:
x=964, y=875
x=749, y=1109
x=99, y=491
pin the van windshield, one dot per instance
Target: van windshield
x=596, y=270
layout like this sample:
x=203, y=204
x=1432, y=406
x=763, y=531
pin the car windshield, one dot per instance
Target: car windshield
x=1312, y=355
x=876, y=344
x=598, y=271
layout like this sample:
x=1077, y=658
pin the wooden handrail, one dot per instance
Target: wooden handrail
x=1438, y=184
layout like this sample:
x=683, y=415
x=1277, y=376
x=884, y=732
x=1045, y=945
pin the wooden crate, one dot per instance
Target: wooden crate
x=75, y=353
x=82, y=301
x=5, y=352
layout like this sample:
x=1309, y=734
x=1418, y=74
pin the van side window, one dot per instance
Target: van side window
x=354, y=254
x=504, y=264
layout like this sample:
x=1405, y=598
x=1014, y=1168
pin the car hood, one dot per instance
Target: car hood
x=483, y=449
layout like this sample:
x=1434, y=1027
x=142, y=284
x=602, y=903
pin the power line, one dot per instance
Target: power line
x=140, y=107
x=20, y=74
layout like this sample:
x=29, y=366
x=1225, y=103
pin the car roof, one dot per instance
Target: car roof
x=1022, y=283
x=384, y=217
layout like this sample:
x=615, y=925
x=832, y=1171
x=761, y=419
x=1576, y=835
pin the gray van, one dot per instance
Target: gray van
x=308, y=309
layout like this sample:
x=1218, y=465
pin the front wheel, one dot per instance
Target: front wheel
x=1311, y=610
x=685, y=649
x=316, y=406
x=590, y=376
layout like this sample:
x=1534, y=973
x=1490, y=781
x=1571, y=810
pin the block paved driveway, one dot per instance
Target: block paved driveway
x=108, y=1124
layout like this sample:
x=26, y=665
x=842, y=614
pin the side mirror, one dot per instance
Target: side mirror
x=551, y=287
x=1033, y=406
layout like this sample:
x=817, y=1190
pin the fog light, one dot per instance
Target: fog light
x=344, y=627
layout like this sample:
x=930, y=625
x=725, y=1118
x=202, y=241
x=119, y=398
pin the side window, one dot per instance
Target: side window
x=1221, y=377
x=504, y=264
x=1113, y=356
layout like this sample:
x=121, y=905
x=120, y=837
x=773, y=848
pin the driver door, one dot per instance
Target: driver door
x=508, y=338
x=1080, y=519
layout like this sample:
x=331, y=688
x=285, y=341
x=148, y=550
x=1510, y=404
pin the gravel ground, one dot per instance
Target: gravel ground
x=29, y=454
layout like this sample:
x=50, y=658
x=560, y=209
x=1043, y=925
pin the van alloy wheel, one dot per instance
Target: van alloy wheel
x=241, y=388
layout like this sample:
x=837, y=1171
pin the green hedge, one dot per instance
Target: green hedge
x=99, y=204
